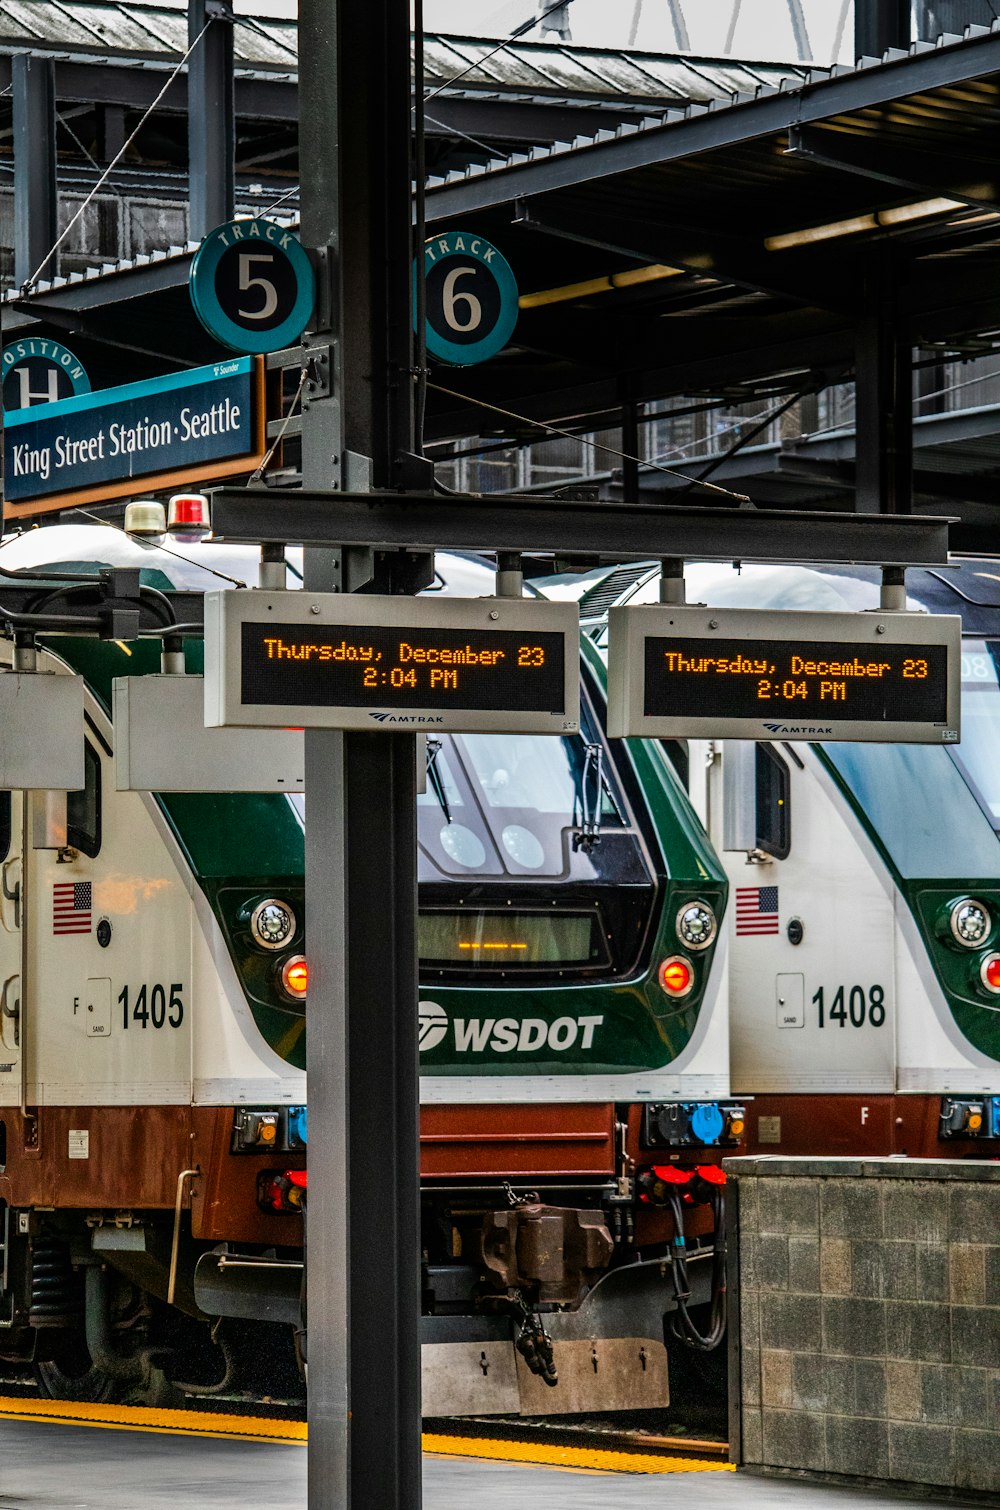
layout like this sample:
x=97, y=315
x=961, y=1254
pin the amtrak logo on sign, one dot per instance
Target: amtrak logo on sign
x=37, y=371
x=471, y=297
x=252, y=286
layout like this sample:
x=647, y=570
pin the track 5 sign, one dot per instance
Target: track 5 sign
x=252, y=286
x=471, y=297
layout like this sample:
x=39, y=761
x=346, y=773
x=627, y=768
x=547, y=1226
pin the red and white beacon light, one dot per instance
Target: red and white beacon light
x=188, y=516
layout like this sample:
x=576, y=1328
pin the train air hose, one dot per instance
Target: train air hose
x=704, y=1187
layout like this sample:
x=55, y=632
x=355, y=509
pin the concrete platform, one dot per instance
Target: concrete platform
x=56, y=1467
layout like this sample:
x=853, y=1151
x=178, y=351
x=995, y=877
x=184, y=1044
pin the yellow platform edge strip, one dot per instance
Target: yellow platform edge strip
x=200, y=1423
x=594, y=1459
x=265, y=1429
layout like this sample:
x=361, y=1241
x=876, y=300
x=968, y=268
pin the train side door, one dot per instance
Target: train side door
x=11, y=913
x=812, y=929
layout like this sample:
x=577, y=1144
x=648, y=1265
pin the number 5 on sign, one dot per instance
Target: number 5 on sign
x=248, y=281
x=471, y=298
x=252, y=286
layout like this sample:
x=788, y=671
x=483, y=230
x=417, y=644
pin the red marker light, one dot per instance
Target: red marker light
x=676, y=976
x=295, y=977
x=989, y=973
x=187, y=514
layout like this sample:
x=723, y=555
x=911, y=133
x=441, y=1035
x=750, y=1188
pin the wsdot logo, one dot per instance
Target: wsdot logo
x=503, y=1035
x=433, y=1025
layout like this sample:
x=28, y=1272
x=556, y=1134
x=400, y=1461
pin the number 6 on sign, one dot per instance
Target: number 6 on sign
x=471, y=298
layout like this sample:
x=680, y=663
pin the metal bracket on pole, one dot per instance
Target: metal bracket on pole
x=672, y=588
x=510, y=575
x=892, y=594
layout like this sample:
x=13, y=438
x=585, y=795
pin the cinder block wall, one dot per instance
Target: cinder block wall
x=865, y=1319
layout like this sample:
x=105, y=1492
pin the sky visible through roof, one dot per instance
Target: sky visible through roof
x=821, y=31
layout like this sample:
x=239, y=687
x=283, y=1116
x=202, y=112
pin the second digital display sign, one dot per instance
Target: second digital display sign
x=689, y=672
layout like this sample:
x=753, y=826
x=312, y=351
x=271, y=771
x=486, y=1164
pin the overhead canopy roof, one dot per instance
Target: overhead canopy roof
x=703, y=194
x=696, y=196
x=500, y=93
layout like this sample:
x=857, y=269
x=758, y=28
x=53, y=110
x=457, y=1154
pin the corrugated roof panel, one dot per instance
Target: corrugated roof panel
x=114, y=26
x=542, y=70
x=38, y=21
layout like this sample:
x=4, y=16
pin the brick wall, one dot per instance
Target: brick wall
x=866, y=1303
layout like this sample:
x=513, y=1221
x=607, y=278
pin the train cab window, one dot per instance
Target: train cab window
x=5, y=825
x=83, y=808
x=774, y=819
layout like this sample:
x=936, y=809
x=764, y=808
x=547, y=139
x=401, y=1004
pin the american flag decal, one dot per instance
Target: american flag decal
x=756, y=910
x=71, y=904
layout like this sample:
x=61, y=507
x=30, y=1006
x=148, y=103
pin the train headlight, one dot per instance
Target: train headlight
x=970, y=923
x=989, y=973
x=696, y=925
x=295, y=977
x=272, y=924
x=676, y=976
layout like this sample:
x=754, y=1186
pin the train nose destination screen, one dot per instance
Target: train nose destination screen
x=690, y=672
x=332, y=660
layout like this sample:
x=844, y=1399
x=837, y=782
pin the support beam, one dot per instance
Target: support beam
x=727, y=257
x=879, y=25
x=532, y=524
x=361, y=892
x=35, y=202
x=883, y=394
x=925, y=175
x=211, y=117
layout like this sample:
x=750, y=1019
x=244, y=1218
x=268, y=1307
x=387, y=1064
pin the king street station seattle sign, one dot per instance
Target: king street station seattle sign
x=205, y=423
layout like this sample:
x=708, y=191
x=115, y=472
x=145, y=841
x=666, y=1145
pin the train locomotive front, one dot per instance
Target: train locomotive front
x=154, y=1110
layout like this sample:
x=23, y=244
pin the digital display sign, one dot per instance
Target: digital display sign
x=410, y=668
x=360, y=661
x=739, y=673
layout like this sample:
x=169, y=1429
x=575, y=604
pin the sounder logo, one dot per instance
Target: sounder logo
x=433, y=1025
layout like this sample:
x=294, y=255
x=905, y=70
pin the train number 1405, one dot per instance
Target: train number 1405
x=851, y=1005
x=153, y=1006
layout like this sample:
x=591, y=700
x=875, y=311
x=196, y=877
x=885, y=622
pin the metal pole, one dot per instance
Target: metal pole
x=883, y=397
x=364, y=1247
x=211, y=118
x=35, y=203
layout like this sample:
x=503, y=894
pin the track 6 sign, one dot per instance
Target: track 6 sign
x=471, y=298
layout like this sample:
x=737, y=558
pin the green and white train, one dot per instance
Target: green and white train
x=153, y=1126
x=864, y=925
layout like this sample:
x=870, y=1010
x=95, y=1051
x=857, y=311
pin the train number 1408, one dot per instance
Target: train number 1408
x=851, y=1005
x=153, y=1006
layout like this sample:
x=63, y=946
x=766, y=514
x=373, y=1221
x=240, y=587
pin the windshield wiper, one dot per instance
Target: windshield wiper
x=434, y=776
x=588, y=835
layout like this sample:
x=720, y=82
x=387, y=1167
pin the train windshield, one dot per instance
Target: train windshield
x=927, y=803
x=527, y=858
x=500, y=804
x=978, y=755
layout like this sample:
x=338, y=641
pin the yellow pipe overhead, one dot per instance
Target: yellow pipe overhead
x=603, y=285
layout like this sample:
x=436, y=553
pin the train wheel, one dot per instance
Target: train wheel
x=71, y=1375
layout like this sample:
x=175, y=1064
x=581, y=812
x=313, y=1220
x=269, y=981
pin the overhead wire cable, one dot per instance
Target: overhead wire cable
x=256, y=475
x=115, y=188
x=519, y=31
x=153, y=545
x=594, y=445
x=28, y=286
